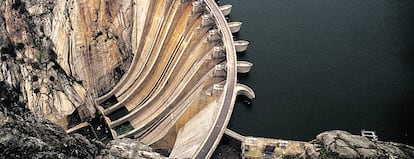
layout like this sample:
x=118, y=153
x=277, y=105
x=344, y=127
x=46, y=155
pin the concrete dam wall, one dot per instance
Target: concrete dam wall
x=179, y=91
x=179, y=64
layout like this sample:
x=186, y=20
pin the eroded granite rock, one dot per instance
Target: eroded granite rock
x=27, y=135
x=92, y=40
x=342, y=144
x=29, y=62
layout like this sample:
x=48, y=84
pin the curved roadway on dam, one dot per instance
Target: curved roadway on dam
x=230, y=91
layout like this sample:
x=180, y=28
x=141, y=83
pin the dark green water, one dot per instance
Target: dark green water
x=327, y=64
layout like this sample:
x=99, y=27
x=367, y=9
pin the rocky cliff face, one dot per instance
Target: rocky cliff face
x=61, y=54
x=92, y=40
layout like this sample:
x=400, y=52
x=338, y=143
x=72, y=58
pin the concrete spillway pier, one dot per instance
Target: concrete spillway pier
x=235, y=26
x=179, y=92
x=241, y=45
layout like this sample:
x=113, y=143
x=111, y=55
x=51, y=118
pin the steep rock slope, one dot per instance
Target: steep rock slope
x=92, y=40
x=62, y=54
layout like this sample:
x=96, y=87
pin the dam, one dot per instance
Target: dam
x=179, y=91
x=167, y=72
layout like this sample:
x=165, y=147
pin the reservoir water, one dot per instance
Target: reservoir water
x=327, y=64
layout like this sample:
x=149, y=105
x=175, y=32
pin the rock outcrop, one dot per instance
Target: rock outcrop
x=342, y=144
x=27, y=135
x=92, y=40
x=62, y=54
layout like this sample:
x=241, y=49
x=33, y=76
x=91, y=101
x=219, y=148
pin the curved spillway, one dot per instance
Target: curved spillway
x=180, y=89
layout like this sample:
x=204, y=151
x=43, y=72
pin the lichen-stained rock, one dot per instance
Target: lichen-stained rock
x=92, y=39
x=342, y=144
x=28, y=61
x=84, y=46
